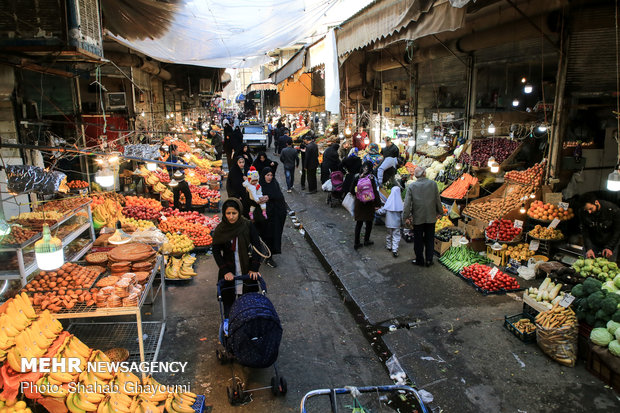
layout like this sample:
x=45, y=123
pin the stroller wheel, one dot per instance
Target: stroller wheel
x=220, y=356
x=282, y=386
x=236, y=395
x=275, y=387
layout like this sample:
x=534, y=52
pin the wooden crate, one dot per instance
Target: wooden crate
x=604, y=365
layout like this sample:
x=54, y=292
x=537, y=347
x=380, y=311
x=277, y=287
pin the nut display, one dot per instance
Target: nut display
x=18, y=235
x=546, y=233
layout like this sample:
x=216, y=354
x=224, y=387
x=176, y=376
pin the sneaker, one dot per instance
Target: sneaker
x=289, y=190
x=395, y=254
x=271, y=263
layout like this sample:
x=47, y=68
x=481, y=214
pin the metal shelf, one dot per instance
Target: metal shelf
x=105, y=336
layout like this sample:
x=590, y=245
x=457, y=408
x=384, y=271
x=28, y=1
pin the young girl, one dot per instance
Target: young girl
x=393, y=210
x=254, y=190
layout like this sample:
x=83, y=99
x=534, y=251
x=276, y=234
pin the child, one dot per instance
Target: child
x=393, y=210
x=253, y=187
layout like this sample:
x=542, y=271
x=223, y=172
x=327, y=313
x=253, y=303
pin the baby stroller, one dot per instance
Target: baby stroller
x=334, y=197
x=251, y=335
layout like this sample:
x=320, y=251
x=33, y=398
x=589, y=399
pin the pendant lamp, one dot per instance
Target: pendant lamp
x=613, y=181
x=48, y=251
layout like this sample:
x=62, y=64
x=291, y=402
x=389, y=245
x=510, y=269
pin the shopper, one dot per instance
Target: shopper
x=263, y=161
x=373, y=156
x=227, y=145
x=364, y=189
x=236, y=142
x=173, y=157
x=276, y=214
x=393, y=210
x=244, y=152
x=269, y=134
x=302, y=152
x=331, y=162
x=345, y=147
x=282, y=140
x=390, y=150
x=290, y=160
x=234, y=182
x=216, y=141
x=232, y=243
x=600, y=226
x=181, y=187
x=359, y=139
x=422, y=201
x=351, y=165
x=388, y=168
x=311, y=163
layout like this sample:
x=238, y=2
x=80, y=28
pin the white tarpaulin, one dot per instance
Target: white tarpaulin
x=332, y=79
x=215, y=33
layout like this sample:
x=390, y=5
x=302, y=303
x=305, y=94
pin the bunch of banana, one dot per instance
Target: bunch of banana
x=77, y=403
x=103, y=371
x=14, y=406
x=109, y=212
x=155, y=393
x=159, y=187
x=145, y=406
x=128, y=383
x=91, y=381
x=151, y=179
x=144, y=172
x=180, y=403
x=46, y=388
x=119, y=402
x=181, y=268
x=167, y=195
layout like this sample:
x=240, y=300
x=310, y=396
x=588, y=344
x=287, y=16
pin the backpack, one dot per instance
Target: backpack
x=365, y=192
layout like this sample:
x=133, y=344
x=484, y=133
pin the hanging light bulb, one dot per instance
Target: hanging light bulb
x=173, y=182
x=522, y=209
x=452, y=131
x=523, y=80
x=48, y=251
x=613, y=181
x=186, y=119
x=495, y=168
x=458, y=166
x=528, y=88
x=491, y=128
x=113, y=159
x=143, y=114
x=532, y=195
x=491, y=161
x=5, y=228
x=347, y=131
x=515, y=102
x=432, y=143
x=341, y=135
x=496, y=246
x=105, y=177
x=427, y=128
x=542, y=128
x=150, y=166
x=119, y=237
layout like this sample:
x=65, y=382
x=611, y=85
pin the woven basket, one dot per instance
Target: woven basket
x=117, y=354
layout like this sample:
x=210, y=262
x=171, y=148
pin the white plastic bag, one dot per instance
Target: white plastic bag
x=327, y=186
x=349, y=203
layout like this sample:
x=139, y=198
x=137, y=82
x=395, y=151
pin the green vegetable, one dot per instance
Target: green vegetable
x=612, y=326
x=577, y=291
x=609, y=287
x=591, y=285
x=616, y=316
x=594, y=300
x=602, y=316
x=589, y=261
x=601, y=337
x=614, y=348
x=609, y=305
x=590, y=319
x=599, y=324
x=617, y=281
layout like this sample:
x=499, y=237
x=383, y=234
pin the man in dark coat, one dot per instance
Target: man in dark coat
x=331, y=162
x=390, y=150
x=282, y=140
x=216, y=141
x=311, y=162
x=600, y=226
x=236, y=142
x=290, y=160
x=228, y=148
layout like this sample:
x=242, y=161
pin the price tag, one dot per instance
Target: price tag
x=493, y=272
x=534, y=244
x=563, y=205
x=554, y=223
x=567, y=300
x=490, y=223
x=456, y=241
x=518, y=224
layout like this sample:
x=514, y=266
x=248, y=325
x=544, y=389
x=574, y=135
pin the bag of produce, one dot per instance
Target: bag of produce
x=23, y=179
x=556, y=334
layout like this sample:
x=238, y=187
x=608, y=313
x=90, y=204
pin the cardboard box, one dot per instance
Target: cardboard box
x=442, y=246
x=553, y=198
x=474, y=229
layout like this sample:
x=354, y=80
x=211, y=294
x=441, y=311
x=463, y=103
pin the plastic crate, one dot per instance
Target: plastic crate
x=199, y=404
x=509, y=324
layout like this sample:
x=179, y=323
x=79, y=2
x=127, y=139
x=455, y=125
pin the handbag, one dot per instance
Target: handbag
x=349, y=203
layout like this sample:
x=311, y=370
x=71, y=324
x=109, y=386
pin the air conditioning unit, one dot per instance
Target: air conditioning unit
x=36, y=26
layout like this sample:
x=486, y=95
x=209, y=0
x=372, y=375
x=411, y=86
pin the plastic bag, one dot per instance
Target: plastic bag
x=327, y=186
x=149, y=235
x=396, y=371
x=349, y=203
x=559, y=343
x=27, y=178
x=142, y=151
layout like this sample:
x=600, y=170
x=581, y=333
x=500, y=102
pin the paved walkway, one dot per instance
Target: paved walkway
x=457, y=348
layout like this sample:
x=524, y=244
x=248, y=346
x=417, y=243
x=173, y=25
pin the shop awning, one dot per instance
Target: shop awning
x=240, y=98
x=382, y=19
x=296, y=96
x=316, y=55
x=261, y=85
x=291, y=67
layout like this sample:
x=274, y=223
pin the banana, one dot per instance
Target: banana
x=61, y=377
x=145, y=406
x=14, y=359
x=181, y=408
x=45, y=384
x=81, y=403
x=92, y=397
x=187, y=272
x=184, y=399
x=168, y=405
x=80, y=348
x=8, y=328
x=25, y=306
x=71, y=404
x=118, y=403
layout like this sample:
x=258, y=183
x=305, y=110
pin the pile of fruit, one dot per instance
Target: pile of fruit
x=600, y=268
x=206, y=176
x=101, y=198
x=459, y=188
x=525, y=326
x=204, y=192
x=138, y=201
x=503, y=230
x=548, y=293
x=163, y=176
x=483, y=149
x=443, y=223
x=107, y=213
x=520, y=252
x=434, y=151
x=446, y=234
x=545, y=233
x=594, y=304
x=495, y=208
x=141, y=212
x=199, y=234
x=556, y=317
x=177, y=244
x=532, y=176
x=457, y=258
x=190, y=216
x=132, y=224
x=192, y=179
x=69, y=276
x=182, y=146
x=196, y=200
x=547, y=212
x=77, y=184
x=180, y=268
x=483, y=277
x=18, y=235
x=204, y=163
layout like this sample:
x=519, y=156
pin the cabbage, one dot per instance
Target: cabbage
x=614, y=348
x=612, y=326
x=617, y=281
x=600, y=336
x=618, y=334
x=609, y=287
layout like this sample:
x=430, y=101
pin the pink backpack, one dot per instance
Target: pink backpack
x=365, y=192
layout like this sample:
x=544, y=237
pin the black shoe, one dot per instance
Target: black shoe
x=357, y=246
x=271, y=263
x=312, y=192
x=415, y=262
x=429, y=263
x=368, y=243
x=395, y=254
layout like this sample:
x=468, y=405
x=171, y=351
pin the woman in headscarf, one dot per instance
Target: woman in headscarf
x=262, y=161
x=234, y=182
x=236, y=142
x=351, y=165
x=373, y=156
x=232, y=250
x=364, y=212
x=245, y=153
x=331, y=161
x=276, y=214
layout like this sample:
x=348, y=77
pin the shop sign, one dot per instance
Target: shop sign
x=554, y=223
x=563, y=205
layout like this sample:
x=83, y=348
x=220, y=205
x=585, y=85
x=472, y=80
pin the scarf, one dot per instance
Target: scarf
x=272, y=189
x=226, y=232
x=353, y=152
x=394, y=202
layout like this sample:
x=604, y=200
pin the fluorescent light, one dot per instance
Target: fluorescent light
x=515, y=103
x=613, y=181
x=528, y=88
x=491, y=128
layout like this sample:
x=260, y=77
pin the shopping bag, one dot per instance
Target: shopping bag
x=327, y=186
x=349, y=203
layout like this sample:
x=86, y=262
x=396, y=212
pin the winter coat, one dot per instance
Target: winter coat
x=365, y=211
x=390, y=151
x=331, y=162
x=601, y=229
x=352, y=166
x=289, y=158
x=393, y=219
x=422, y=201
x=312, y=156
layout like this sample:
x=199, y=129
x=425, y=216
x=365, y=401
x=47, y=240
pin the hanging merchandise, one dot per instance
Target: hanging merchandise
x=27, y=178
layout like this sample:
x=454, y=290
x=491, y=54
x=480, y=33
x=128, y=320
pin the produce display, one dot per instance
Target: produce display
x=204, y=163
x=531, y=176
x=600, y=268
x=141, y=212
x=483, y=149
x=595, y=305
x=442, y=223
x=98, y=199
x=502, y=230
x=192, y=179
x=177, y=244
x=459, y=188
x=162, y=175
x=520, y=252
x=430, y=150
x=556, y=317
x=62, y=206
x=181, y=268
x=205, y=192
x=525, y=326
x=138, y=201
x=197, y=233
x=548, y=293
x=18, y=235
x=190, y=216
x=496, y=208
x=482, y=277
x=608, y=336
x=446, y=234
x=70, y=276
x=77, y=184
x=132, y=224
x=567, y=275
x=545, y=233
x=120, y=291
x=181, y=145
x=457, y=258
x=547, y=212
x=107, y=213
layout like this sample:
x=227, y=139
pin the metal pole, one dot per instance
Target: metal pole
x=558, y=124
x=81, y=128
